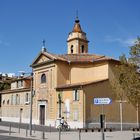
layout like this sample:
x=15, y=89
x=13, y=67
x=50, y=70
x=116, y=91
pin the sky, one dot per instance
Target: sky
x=111, y=27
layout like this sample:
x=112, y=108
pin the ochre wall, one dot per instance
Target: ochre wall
x=46, y=91
x=12, y=109
x=63, y=71
x=89, y=72
x=112, y=112
x=74, y=105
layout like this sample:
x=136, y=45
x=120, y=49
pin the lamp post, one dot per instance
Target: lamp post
x=31, y=99
x=31, y=102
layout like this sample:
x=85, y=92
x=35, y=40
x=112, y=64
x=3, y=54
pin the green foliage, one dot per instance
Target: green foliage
x=126, y=81
x=4, y=86
x=135, y=53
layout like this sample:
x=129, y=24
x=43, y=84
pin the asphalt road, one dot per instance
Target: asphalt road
x=2, y=137
x=12, y=138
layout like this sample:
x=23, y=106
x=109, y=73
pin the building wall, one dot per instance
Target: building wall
x=20, y=84
x=112, y=111
x=86, y=73
x=45, y=92
x=15, y=107
x=63, y=73
x=72, y=110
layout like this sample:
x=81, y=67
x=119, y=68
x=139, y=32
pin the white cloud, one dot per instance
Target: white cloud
x=124, y=42
x=11, y=74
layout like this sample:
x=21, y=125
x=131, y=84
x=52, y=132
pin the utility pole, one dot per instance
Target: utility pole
x=31, y=98
x=31, y=102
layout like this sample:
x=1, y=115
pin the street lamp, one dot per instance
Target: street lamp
x=31, y=99
x=31, y=102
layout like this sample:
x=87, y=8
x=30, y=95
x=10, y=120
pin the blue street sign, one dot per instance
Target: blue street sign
x=102, y=101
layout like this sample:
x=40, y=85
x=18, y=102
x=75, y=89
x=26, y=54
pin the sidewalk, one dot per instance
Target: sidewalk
x=38, y=135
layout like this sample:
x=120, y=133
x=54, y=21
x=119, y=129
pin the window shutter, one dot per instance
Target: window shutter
x=14, y=99
x=78, y=95
x=73, y=95
x=75, y=115
x=11, y=99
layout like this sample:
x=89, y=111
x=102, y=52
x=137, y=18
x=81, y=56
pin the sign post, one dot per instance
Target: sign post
x=102, y=101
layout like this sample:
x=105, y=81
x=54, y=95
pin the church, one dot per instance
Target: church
x=66, y=85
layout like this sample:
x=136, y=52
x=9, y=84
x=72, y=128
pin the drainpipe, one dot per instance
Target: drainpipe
x=69, y=71
x=83, y=107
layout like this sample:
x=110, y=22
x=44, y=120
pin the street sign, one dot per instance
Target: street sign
x=102, y=101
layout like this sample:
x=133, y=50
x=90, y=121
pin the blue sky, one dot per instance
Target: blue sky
x=111, y=26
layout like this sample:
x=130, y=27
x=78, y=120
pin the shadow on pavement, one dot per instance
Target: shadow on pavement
x=26, y=126
x=4, y=131
x=12, y=138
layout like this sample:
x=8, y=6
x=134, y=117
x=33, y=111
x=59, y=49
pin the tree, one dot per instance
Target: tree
x=135, y=53
x=126, y=81
x=134, y=82
x=4, y=82
x=4, y=86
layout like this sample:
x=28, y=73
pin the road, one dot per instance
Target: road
x=6, y=137
x=54, y=134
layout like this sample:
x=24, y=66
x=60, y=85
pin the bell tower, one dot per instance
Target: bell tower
x=77, y=41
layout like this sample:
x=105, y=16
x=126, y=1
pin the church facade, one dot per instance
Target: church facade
x=66, y=85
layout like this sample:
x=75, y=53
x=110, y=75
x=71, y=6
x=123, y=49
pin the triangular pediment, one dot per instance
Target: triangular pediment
x=42, y=58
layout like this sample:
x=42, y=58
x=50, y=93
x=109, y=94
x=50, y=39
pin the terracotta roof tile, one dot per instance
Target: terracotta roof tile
x=83, y=57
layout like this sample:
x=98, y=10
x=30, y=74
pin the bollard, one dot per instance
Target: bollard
x=50, y=128
x=26, y=131
x=133, y=135
x=59, y=133
x=10, y=129
x=19, y=128
x=103, y=134
x=79, y=134
x=34, y=128
x=43, y=135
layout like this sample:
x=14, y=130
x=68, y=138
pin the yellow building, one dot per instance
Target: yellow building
x=77, y=78
x=15, y=102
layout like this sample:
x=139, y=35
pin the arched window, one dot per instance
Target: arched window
x=71, y=49
x=82, y=49
x=8, y=102
x=3, y=102
x=43, y=78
